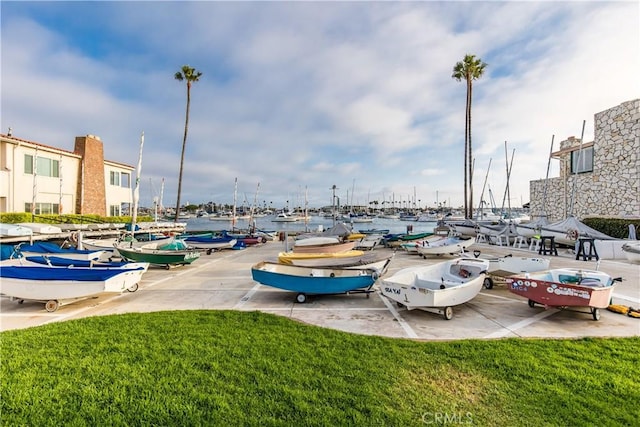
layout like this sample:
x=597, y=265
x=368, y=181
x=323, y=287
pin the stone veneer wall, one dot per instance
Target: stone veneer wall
x=613, y=188
x=91, y=196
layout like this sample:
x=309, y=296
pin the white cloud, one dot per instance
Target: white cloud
x=314, y=94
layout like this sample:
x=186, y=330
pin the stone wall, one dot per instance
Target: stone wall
x=613, y=188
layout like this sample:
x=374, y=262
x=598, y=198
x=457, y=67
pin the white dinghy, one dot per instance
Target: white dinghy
x=439, y=286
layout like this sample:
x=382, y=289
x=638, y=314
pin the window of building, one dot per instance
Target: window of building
x=585, y=159
x=125, y=180
x=114, y=178
x=44, y=166
x=114, y=210
x=43, y=208
x=28, y=164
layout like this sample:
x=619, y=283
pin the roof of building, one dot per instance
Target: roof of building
x=56, y=149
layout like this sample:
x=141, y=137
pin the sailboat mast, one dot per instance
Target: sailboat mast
x=161, y=195
x=546, y=181
x=34, y=191
x=251, y=211
x=233, y=212
x=575, y=173
x=483, y=188
x=136, y=190
x=60, y=178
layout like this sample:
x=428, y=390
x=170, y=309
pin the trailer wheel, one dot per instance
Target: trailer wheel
x=301, y=298
x=488, y=283
x=595, y=312
x=532, y=303
x=448, y=313
x=209, y=251
x=51, y=305
x=133, y=288
x=20, y=301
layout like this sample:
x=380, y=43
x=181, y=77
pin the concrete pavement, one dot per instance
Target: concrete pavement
x=223, y=280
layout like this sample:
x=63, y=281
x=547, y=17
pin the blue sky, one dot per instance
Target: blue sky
x=301, y=96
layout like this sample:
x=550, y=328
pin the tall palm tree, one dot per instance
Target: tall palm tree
x=190, y=75
x=469, y=69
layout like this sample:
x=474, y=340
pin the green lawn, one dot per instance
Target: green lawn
x=249, y=368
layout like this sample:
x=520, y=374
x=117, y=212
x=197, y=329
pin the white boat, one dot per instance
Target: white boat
x=109, y=245
x=284, y=217
x=448, y=245
x=412, y=247
x=356, y=259
x=508, y=265
x=209, y=243
x=568, y=231
x=41, y=228
x=632, y=251
x=322, y=245
x=14, y=230
x=369, y=242
x=56, y=286
x=465, y=227
x=440, y=286
x=48, y=248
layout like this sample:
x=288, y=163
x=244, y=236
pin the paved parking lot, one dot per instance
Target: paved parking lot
x=223, y=281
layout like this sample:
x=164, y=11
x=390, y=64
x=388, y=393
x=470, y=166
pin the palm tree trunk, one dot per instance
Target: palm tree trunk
x=470, y=154
x=184, y=144
x=467, y=159
x=466, y=166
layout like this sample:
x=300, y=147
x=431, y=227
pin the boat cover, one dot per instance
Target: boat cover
x=572, y=223
x=51, y=248
x=47, y=273
x=66, y=262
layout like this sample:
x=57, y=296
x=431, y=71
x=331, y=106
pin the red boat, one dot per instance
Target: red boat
x=565, y=287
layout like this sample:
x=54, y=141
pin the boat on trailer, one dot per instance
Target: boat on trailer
x=306, y=281
x=565, y=287
x=439, y=286
x=449, y=245
x=175, y=254
x=58, y=285
x=508, y=265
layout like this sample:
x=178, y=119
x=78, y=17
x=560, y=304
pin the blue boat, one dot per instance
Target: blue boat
x=313, y=280
x=56, y=285
x=48, y=248
x=54, y=261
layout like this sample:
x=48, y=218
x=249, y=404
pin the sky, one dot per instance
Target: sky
x=298, y=97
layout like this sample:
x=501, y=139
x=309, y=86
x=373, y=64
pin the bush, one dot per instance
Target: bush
x=614, y=227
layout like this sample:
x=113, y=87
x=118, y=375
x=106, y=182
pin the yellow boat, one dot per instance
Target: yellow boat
x=356, y=236
x=290, y=257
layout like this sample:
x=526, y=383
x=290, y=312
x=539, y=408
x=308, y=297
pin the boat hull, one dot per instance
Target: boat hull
x=564, y=288
x=450, y=245
x=445, y=284
x=324, y=248
x=632, y=251
x=159, y=256
x=52, y=283
x=310, y=280
x=507, y=265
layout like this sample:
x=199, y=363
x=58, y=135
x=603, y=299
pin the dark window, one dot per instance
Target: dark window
x=582, y=160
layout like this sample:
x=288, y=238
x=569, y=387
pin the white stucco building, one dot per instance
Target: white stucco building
x=42, y=179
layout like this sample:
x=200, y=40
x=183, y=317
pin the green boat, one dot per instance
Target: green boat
x=171, y=255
